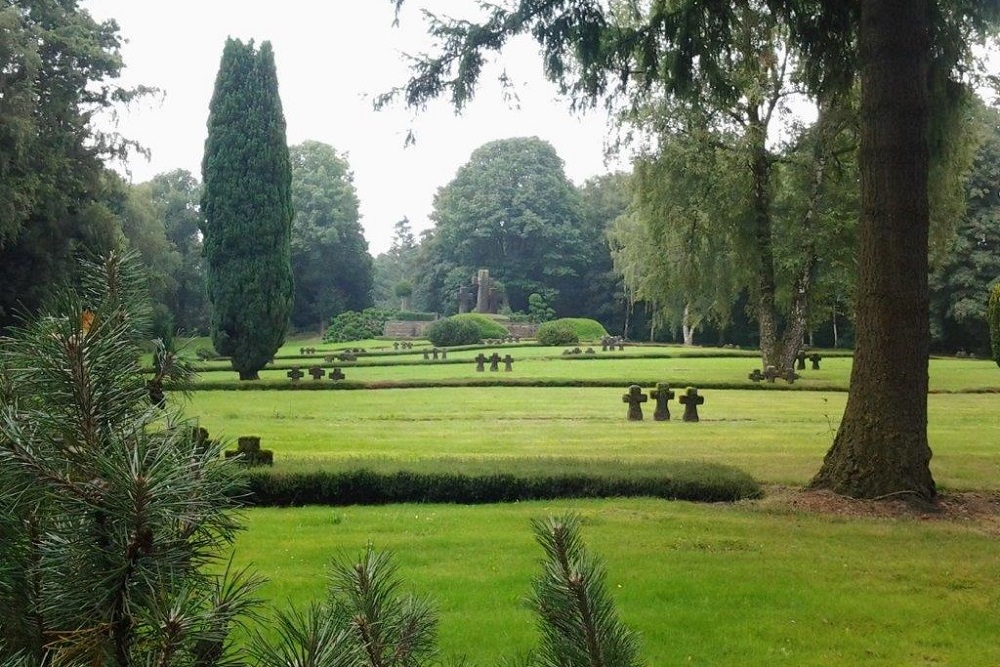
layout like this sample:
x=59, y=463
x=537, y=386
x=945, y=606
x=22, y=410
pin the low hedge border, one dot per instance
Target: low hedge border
x=366, y=487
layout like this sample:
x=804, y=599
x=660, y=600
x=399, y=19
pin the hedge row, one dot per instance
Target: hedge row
x=366, y=487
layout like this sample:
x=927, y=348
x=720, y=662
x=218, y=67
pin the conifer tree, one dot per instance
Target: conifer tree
x=247, y=206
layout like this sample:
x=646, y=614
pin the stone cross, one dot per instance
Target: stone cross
x=790, y=376
x=427, y=355
x=800, y=361
x=328, y=358
x=815, y=359
x=495, y=362
x=691, y=400
x=336, y=374
x=317, y=373
x=395, y=344
x=589, y=350
x=434, y=354
x=444, y=354
x=508, y=363
x=662, y=395
x=770, y=373
x=635, y=398
x=756, y=375
x=295, y=374
x=480, y=361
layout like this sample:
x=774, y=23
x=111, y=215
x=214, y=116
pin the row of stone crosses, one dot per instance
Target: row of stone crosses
x=663, y=394
x=317, y=373
x=770, y=374
x=494, y=359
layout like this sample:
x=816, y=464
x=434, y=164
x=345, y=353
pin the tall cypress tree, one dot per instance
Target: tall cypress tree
x=247, y=208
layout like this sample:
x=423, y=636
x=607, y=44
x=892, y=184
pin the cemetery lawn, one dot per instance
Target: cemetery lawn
x=636, y=365
x=777, y=437
x=753, y=583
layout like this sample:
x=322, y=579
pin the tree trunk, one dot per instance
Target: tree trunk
x=687, y=329
x=249, y=375
x=881, y=449
x=760, y=169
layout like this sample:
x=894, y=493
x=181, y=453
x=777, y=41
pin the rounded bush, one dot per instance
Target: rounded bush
x=586, y=329
x=556, y=333
x=488, y=327
x=452, y=331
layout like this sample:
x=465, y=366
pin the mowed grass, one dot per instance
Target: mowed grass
x=709, y=585
x=633, y=366
x=777, y=437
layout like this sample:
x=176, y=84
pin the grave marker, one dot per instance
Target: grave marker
x=508, y=363
x=495, y=362
x=317, y=373
x=295, y=374
x=663, y=394
x=635, y=398
x=691, y=400
x=480, y=361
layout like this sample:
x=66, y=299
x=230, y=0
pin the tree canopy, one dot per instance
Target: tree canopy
x=510, y=209
x=247, y=208
x=330, y=261
x=58, y=69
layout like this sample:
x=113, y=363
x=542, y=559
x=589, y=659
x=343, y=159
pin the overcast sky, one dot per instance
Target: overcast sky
x=332, y=56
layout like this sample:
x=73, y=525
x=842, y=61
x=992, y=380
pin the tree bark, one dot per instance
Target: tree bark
x=881, y=448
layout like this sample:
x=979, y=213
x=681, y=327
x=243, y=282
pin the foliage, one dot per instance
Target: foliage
x=585, y=328
x=175, y=198
x=538, y=308
x=330, y=260
x=450, y=331
x=488, y=327
x=707, y=483
x=59, y=75
x=395, y=265
x=411, y=316
x=577, y=618
x=993, y=320
x=247, y=207
x=352, y=325
x=509, y=209
x=960, y=279
x=556, y=333
x=364, y=622
x=115, y=529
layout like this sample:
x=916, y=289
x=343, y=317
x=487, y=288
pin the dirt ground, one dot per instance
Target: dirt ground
x=979, y=508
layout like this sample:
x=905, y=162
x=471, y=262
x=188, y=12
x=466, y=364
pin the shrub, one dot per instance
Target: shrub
x=352, y=325
x=488, y=327
x=452, y=331
x=993, y=320
x=585, y=329
x=556, y=333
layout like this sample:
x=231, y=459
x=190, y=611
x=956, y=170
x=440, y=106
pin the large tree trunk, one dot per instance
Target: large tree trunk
x=881, y=448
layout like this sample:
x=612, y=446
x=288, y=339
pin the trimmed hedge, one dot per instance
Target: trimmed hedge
x=367, y=487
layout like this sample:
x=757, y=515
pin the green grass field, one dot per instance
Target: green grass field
x=752, y=583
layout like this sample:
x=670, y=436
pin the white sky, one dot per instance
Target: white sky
x=332, y=56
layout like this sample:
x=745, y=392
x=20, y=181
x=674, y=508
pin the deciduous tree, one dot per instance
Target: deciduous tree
x=330, y=261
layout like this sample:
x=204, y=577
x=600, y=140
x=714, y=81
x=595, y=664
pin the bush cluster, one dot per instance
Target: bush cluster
x=488, y=327
x=367, y=487
x=556, y=333
x=352, y=325
x=451, y=332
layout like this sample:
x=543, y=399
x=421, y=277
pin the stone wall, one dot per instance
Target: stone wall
x=405, y=328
